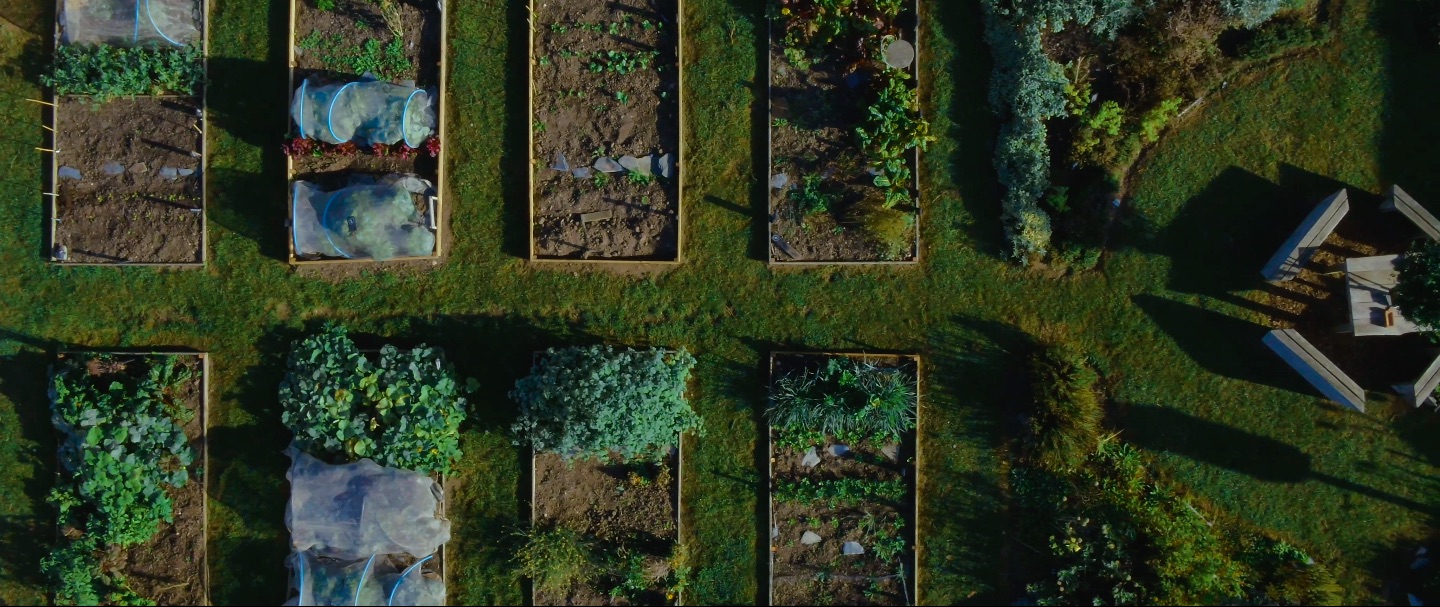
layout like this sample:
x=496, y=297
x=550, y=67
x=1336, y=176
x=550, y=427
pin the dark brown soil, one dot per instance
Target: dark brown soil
x=136, y=215
x=817, y=113
x=578, y=112
x=606, y=502
x=170, y=568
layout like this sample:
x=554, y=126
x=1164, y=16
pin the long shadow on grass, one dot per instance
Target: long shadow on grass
x=1223, y=345
x=515, y=145
x=745, y=382
x=1163, y=429
x=243, y=196
x=973, y=126
x=759, y=246
x=32, y=445
x=1412, y=126
x=978, y=365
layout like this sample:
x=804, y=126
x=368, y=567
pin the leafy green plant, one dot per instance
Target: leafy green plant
x=403, y=411
x=558, y=559
x=325, y=5
x=1155, y=119
x=1417, y=291
x=601, y=179
x=811, y=197
x=850, y=399
x=836, y=492
x=638, y=178
x=892, y=127
x=107, y=72
x=591, y=401
x=385, y=60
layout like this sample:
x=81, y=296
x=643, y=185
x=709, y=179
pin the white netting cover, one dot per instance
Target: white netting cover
x=373, y=221
x=377, y=580
x=130, y=22
x=366, y=112
x=353, y=511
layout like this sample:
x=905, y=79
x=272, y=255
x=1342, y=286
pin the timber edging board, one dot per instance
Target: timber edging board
x=1397, y=199
x=1318, y=225
x=680, y=156
x=442, y=103
x=1333, y=383
x=911, y=585
x=54, y=193
x=771, y=257
x=204, y=439
x=1417, y=393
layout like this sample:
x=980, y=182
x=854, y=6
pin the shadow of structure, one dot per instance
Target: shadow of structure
x=1411, y=125
x=33, y=442
x=1163, y=429
x=1223, y=345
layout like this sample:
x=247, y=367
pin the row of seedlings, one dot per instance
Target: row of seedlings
x=842, y=479
x=127, y=121
x=131, y=484
x=605, y=426
x=845, y=133
x=605, y=106
x=375, y=433
x=365, y=167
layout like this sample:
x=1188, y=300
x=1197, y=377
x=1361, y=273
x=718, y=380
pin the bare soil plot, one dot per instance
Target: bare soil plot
x=605, y=102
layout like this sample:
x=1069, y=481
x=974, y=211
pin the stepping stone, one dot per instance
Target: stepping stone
x=838, y=450
x=113, y=168
x=891, y=451
x=560, y=164
x=170, y=173
x=900, y=54
x=665, y=166
x=780, y=180
x=139, y=167
x=580, y=173
x=68, y=173
x=608, y=165
x=811, y=459
x=596, y=216
x=632, y=163
x=852, y=548
x=810, y=538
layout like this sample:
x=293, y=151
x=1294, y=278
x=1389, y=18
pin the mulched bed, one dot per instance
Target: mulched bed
x=579, y=113
x=130, y=204
x=813, y=116
x=170, y=568
x=607, y=503
x=820, y=574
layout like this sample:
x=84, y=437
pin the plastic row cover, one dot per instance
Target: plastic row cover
x=368, y=221
x=375, y=580
x=353, y=511
x=130, y=22
x=366, y=112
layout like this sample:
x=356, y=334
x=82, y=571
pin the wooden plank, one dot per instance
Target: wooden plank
x=1397, y=199
x=1333, y=383
x=1297, y=249
x=1424, y=387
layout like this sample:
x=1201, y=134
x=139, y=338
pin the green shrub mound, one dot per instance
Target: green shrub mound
x=123, y=449
x=587, y=402
x=558, y=559
x=1065, y=421
x=107, y=72
x=1417, y=293
x=847, y=398
x=403, y=411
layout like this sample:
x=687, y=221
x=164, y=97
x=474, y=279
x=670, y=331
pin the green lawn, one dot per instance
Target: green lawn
x=1171, y=320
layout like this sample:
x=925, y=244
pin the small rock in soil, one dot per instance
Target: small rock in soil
x=774, y=532
x=608, y=165
x=852, y=548
x=665, y=166
x=632, y=163
x=810, y=538
x=811, y=458
x=779, y=181
x=647, y=165
x=186, y=172
x=580, y=173
x=839, y=450
x=891, y=451
x=170, y=172
x=139, y=167
x=112, y=168
x=560, y=164
x=69, y=173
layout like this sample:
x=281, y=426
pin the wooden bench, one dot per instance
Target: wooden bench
x=1397, y=199
x=1421, y=391
x=1333, y=383
x=1292, y=256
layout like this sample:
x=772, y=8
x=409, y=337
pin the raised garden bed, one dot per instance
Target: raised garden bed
x=845, y=134
x=842, y=502
x=127, y=121
x=606, y=146
x=150, y=406
x=335, y=43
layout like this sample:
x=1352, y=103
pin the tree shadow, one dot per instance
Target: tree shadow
x=515, y=139
x=973, y=125
x=1163, y=429
x=1223, y=345
x=33, y=445
x=1411, y=125
x=252, y=205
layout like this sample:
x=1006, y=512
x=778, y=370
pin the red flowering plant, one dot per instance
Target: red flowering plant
x=432, y=146
x=380, y=149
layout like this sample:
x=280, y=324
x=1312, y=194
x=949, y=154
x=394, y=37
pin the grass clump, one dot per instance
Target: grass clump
x=107, y=72
x=891, y=230
x=847, y=398
x=1064, y=426
x=558, y=559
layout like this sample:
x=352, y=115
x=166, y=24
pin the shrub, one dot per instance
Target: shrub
x=403, y=412
x=107, y=72
x=849, y=399
x=1284, y=575
x=891, y=230
x=1157, y=118
x=1252, y=13
x=558, y=560
x=592, y=401
x=1417, y=293
x=1065, y=422
x=1282, y=36
x=1102, y=17
x=73, y=570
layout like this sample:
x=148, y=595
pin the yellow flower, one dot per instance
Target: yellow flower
x=784, y=11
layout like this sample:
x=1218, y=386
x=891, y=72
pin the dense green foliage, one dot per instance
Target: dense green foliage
x=847, y=398
x=840, y=491
x=593, y=401
x=123, y=449
x=558, y=559
x=403, y=411
x=387, y=60
x=1417, y=292
x=1103, y=17
x=107, y=72
x=1066, y=415
x=892, y=127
